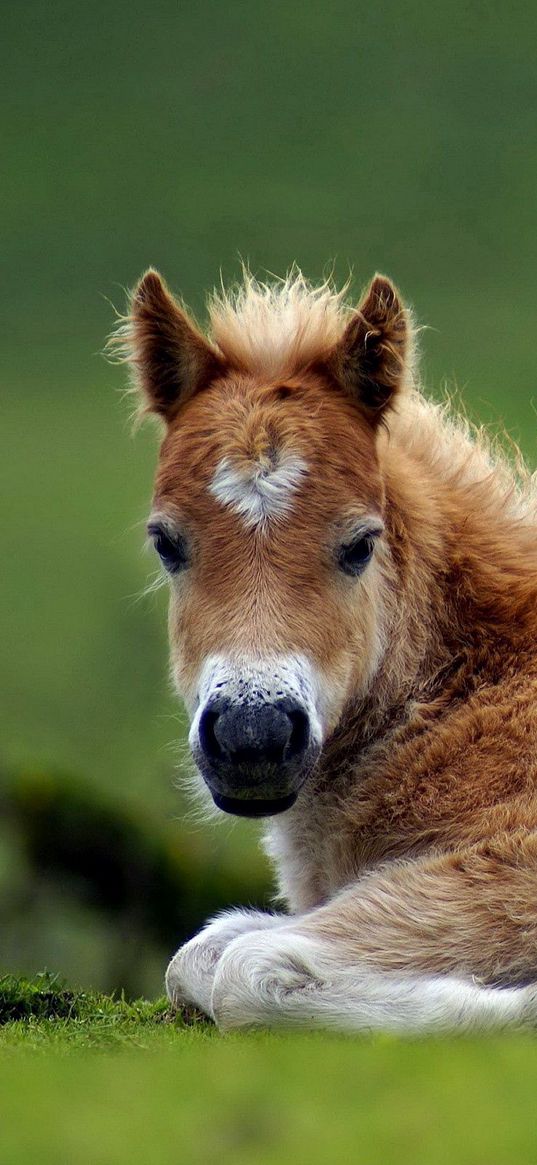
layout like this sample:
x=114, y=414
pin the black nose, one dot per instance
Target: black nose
x=254, y=734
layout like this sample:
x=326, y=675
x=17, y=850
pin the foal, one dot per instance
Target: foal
x=353, y=623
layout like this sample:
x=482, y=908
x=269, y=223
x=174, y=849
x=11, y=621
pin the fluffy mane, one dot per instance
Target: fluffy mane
x=466, y=456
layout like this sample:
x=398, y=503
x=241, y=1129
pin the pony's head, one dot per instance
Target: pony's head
x=268, y=516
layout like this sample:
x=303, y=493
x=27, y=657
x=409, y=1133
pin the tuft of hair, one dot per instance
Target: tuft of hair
x=277, y=328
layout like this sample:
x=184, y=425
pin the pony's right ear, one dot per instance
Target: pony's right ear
x=170, y=357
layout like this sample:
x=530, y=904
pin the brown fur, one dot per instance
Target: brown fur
x=416, y=839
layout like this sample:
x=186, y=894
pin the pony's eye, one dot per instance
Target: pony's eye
x=354, y=556
x=171, y=548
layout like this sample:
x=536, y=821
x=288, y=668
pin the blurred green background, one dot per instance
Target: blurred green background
x=399, y=137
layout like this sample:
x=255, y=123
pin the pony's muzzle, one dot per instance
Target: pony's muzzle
x=254, y=756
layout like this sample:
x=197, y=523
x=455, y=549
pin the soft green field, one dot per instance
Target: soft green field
x=190, y=1096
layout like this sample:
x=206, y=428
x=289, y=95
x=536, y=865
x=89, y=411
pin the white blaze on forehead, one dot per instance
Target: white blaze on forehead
x=258, y=493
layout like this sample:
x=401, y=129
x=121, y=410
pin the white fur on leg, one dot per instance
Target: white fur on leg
x=190, y=974
x=287, y=979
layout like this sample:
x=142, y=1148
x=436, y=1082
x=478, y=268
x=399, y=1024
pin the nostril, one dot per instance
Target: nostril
x=298, y=740
x=248, y=735
x=207, y=734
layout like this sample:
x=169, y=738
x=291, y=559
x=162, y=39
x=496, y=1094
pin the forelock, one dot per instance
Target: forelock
x=277, y=328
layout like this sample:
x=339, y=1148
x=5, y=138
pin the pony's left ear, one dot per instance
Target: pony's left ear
x=371, y=361
x=170, y=357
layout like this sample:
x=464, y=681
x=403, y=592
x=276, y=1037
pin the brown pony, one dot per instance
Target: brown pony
x=353, y=621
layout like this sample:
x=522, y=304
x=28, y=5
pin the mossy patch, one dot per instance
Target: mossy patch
x=44, y=1011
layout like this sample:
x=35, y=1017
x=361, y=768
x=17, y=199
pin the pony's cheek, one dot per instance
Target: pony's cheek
x=366, y=638
x=184, y=677
x=333, y=692
x=350, y=671
x=185, y=663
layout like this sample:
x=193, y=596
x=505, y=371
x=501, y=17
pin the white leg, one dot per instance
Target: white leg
x=190, y=974
x=283, y=978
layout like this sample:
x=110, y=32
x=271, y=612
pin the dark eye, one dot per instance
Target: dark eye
x=171, y=548
x=354, y=556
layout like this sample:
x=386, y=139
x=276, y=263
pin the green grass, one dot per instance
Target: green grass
x=44, y=1013
x=91, y=1080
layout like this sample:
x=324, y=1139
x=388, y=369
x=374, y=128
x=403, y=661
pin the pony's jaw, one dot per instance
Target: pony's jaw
x=257, y=731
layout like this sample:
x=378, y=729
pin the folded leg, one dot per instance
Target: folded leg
x=435, y=944
x=281, y=978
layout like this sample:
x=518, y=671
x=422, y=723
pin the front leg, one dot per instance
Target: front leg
x=190, y=974
x=288, y=979
x=405, y=949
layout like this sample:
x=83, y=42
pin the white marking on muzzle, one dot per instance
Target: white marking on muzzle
x=265, y=680
x=258, y=493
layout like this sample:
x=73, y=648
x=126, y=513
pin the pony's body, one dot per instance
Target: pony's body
x=441, y=754
x=401, y=700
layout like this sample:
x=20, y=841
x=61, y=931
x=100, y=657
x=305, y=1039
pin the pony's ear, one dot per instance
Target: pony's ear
x=170, y=356
x=372, y=357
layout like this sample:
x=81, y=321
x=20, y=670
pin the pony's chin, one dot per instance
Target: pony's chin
x=250, y=807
